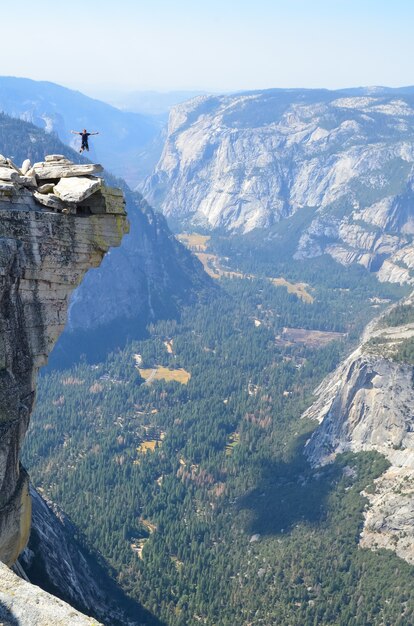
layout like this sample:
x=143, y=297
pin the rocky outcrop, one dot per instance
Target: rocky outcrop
x=368, y=404
x=45, y=250
x=246, y=161
x=146, y=279
x=23, y=604
x=56, y=110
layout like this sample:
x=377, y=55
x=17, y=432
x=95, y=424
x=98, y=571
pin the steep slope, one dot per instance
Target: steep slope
x=246, y=161
x=56, y=561
x=144, y=280
x=57, y=109
x=368, y=404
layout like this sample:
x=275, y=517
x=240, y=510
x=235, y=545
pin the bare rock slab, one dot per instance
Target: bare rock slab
x=27, y=605
x=59, y=169
x=8, y=173
x=76, y=188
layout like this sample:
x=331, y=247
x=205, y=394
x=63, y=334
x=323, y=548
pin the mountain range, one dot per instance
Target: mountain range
x=339, y=163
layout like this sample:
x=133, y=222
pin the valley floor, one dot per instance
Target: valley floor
x=198, y=494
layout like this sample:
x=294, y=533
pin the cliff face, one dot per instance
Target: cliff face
x=368, y=404
x=60, y=565
x=56, y=221
x=148, y=278
x=345, y=158
x=26, y=605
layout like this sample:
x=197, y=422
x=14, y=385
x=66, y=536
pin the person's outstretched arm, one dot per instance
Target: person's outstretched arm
x=75, y=132
x=94, y=133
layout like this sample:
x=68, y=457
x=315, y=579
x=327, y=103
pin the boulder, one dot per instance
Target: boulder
x=46, y=188
x=76, y=189
x=8, y=173
x=27, y=181
x=58, y=169
x=14, y=166
x=55, y=157
x=7, y=187
x=26, y=165
x=50, y=201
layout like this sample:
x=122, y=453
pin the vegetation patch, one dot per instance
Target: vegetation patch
x=160, y=372
x=299, y=289
x=400, y=315
x=311, y=338
x=234, y=440
x=148, y=446
x=194, y=241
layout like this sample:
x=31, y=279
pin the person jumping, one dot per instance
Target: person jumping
x=85, y=136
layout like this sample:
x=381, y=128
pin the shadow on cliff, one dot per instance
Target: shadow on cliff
x=7, y=618
x=288, y=494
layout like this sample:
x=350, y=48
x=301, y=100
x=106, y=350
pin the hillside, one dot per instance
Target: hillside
x=56, y=109
x=339, y=161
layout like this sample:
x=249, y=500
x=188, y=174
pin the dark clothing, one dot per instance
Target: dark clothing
x=85, y=137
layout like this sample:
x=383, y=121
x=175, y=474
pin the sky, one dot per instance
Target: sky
x=211, y=45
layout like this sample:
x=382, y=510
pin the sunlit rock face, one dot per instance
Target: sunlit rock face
x=47, y=243
x=368, y=404
x=342, y=159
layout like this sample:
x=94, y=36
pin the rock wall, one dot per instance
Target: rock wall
x=368, y=404
x=57, y=220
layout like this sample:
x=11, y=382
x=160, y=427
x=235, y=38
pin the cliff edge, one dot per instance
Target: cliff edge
x=57, y=220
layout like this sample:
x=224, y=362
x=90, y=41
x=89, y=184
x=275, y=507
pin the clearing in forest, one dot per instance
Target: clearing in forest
x=194, y=241
x=299, y=289
x=233, y=442
x=148, y=446
x=310, y=338
x=160, y=372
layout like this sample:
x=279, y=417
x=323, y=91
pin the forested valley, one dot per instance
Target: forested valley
x=181, y=458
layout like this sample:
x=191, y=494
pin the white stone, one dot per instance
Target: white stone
x=28, y=605
x=26, y=165
x=76, y=189
x=54, y=170
x=46, y=188
x=50, y=201
x=56, y=157
x=8, y=173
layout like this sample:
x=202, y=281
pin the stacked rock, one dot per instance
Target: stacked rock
x=58, y=184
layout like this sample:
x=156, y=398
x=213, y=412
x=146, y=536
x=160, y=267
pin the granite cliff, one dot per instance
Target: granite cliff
x=343, y=159
x=58, y=219
x=368, y=404
x=148, y=278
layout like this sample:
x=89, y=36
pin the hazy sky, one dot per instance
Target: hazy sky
x=217, y=45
